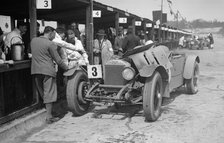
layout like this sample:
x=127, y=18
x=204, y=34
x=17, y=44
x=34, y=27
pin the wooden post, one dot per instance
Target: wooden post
x=161, y=22
x=164, y=34
x=133, y=24
x=117, y=22
x=144, y=26
x=12, y=23
x=89, y=31
x=33, y=33
x=152, y=32
x=144, y=29
x=168, y=34
x=33, y=18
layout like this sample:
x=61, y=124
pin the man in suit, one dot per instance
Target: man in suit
x=131, y=40
x=44, y=53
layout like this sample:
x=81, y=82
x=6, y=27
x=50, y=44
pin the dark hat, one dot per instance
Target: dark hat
x=101, y=32
x=130, y=29
x=120, y=28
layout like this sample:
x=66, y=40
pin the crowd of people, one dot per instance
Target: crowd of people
x=104, y=49
x=197, y=42
x=116, y=45
x=56, y=50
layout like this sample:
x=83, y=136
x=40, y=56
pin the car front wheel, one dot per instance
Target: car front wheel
x=152, y=97
x=76, y=90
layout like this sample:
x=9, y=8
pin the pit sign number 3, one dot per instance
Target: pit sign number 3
x=43, y=4
x=94, y=71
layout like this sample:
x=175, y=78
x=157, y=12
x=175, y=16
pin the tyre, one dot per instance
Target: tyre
x=77, y=88
x=192, y=84
x=152, y=97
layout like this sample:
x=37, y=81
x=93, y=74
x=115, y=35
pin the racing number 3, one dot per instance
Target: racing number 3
x=45, y=3
x=94, y=71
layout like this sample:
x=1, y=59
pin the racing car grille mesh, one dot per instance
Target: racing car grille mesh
x=113, y=75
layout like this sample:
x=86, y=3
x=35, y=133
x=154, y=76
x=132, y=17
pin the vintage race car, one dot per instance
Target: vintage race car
x=143, y=75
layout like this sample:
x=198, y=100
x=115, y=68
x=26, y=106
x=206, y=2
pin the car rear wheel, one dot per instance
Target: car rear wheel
x=192, y=84
x=76, y=90
x=152, y=97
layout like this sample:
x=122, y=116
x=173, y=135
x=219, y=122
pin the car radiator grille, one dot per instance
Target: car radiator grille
x=113, y=75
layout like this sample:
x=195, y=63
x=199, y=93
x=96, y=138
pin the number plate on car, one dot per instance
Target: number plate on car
x=94, y=71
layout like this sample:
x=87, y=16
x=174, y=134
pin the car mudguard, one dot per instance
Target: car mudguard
x=70, y=72
x=189, y=66
x=148, y=71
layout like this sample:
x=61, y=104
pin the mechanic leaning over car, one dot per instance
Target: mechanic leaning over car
x=44, y=53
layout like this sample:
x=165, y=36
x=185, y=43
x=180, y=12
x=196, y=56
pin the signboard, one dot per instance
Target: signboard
x=110, y=9
x=157, y=16
x=156, y=26
x=164, y=16
x=122, y=20
x=43, y=4
x=96, y=13
x=94, y=71
x=5, y=23
x=148, y=24
x=127, y=14
x=138, y=23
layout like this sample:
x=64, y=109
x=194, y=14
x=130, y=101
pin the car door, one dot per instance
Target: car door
x=177, y=61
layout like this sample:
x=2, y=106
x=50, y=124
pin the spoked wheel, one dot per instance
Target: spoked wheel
x=192, y=84
x=77, y=88
x=152, y=97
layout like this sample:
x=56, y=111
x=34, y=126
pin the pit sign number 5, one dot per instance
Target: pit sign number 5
x=94, y=71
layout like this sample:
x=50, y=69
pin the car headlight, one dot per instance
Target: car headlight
x=128, y=73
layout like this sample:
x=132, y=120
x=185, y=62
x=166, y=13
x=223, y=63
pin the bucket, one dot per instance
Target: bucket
x=17, y=50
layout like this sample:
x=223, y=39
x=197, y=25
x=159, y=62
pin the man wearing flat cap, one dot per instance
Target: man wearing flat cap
x=102, y=48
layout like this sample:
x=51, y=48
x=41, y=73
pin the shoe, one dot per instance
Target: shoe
x=52, y=120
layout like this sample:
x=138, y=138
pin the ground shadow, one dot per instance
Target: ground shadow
x=174, y=95
x=60, y=108
x=127, y=111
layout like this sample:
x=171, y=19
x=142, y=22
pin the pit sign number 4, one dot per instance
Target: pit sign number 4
x=96, y=13
x=94, y=71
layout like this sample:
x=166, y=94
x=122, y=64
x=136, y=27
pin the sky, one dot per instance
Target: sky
x=190, y=9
